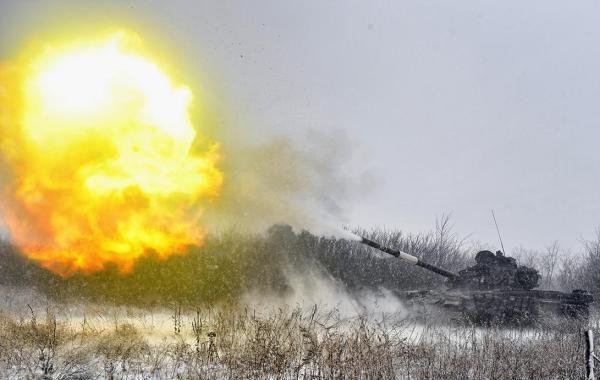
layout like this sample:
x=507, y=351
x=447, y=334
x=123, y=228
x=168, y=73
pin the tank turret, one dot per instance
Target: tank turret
x=491, y=271
x=495, y=271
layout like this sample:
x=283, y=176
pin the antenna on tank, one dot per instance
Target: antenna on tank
x=498, y=231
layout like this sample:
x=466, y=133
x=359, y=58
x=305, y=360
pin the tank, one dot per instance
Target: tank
x=496, y=290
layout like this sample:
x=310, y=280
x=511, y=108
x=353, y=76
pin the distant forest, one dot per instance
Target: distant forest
x=230, y=265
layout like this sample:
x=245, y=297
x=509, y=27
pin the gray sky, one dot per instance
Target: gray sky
x=454, y=107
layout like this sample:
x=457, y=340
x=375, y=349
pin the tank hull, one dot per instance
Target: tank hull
x=510, y=306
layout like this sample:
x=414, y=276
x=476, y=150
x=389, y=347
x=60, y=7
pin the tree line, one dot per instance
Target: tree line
x=229, y=265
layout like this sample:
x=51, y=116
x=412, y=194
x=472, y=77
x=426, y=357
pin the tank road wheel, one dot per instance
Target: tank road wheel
x=576, y=311
x=477, y=317
x=523, y=312
x=578, y=306
x=483, y=311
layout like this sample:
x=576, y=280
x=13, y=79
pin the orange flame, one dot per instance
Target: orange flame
x=99, y=145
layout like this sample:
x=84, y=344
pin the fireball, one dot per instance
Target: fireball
x=102, y=161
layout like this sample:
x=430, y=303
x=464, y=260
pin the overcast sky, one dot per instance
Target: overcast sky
x=454, y=107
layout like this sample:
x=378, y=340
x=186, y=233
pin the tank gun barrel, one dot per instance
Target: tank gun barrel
x=409, y=258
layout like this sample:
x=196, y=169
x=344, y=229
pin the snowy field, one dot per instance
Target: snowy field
x=41, y=339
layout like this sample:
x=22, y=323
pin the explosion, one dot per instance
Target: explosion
x=104, y=165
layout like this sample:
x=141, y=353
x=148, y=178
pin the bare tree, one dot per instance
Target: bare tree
x=548, y=263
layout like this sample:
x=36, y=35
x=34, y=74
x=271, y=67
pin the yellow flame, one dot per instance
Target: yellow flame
x=100, y=145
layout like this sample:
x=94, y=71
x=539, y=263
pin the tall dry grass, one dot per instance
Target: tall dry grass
x=285, y=344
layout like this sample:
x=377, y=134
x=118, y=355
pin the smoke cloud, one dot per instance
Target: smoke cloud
x=316, y=288
x=300, y=182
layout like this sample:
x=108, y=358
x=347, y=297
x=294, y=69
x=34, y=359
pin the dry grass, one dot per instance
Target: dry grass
x=288, y=344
